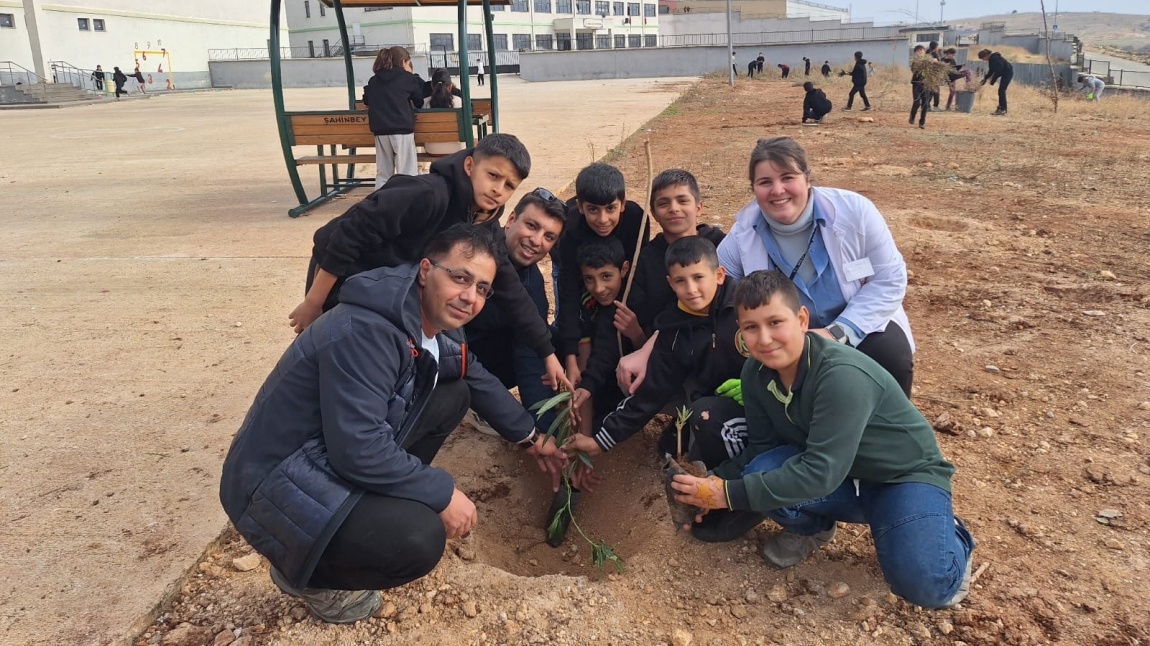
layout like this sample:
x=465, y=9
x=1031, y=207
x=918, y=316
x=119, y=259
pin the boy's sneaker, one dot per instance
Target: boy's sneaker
x=479, y=424
x=721, y=525
x=848, y=109
x=922, y=126
x=866, y=109
x=998, y=113
x=332, y=606
x=556, y=529
x=785, y=549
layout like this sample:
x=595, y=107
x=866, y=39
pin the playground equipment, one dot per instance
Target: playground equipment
x=348, y=129
x=140, y=56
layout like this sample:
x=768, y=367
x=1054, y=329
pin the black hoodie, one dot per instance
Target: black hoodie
x=815, y=102
x=391, y=97
x=858, y=73
x=998, y=67
x=650, y=291
x=393, y=225
x=698, y=351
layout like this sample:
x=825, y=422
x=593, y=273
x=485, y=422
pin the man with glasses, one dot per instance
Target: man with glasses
x=530, y=233
x=329, y=477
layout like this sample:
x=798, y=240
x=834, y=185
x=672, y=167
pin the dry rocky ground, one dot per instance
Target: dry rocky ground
x=1029, y=295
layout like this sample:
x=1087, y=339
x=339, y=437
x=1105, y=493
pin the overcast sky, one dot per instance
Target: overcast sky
x=889, y=11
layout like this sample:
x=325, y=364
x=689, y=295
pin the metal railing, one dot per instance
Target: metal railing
x=12, y=74
x=314, y=51
x=67, y=73
x=1117, y=77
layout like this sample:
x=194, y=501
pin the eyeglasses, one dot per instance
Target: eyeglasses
x=465, y=280
x=545, y=194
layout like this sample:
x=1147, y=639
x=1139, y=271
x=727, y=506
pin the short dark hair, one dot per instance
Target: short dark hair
x=475, y=240
x=985, y=53
x=675, y=177
x=600, y=253
x=501, y=144
x=808, y=86
x=858, y=56
x=934, y=44
x=783, y=152
x=760, y=286
x=690, y=250
x=919, y=48
x=600, y=184
x=553, y=208
x=950, y=50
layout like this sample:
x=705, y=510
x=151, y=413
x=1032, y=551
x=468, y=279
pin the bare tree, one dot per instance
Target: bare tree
x=1053, y=76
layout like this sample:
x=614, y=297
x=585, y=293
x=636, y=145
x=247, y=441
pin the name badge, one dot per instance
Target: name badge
x=858, y=270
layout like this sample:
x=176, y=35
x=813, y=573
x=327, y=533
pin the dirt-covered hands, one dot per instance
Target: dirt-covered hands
x=705, y=493
x=460, y=515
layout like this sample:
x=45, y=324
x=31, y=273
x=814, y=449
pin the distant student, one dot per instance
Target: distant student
x=140, y=82
x=734, y=65
x=479, y=74
x=119, y=79
x=826, y=69
x=998, y=70
x=920, y=93
x=391, y=96
x=806, y=66
x=752, y=65
x=934, y=52
x=443, y=96
x=1092, y=87
x=858, y=83
x=785, y=69
x=676, y=205
x=759, y=63
x=98, y=78
x=949, y=57
x=600, y=209
x=816, y=105
x=694, y=350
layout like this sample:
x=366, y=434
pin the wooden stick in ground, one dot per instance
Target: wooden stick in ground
x=639, y=241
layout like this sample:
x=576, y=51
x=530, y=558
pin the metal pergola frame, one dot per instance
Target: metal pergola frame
x=282, y=120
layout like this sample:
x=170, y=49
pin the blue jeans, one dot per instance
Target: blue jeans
x=922, y=550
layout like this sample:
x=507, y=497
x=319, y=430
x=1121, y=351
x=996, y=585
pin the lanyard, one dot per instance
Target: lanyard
x=805, y=252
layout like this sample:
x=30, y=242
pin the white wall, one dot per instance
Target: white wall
x=185, y=28
x=816, y=11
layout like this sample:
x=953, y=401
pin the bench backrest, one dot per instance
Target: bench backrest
x=478, y=106
x=351, y=128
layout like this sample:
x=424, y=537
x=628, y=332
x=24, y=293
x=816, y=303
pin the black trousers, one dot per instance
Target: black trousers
x=891, y=350
x=921, y=100
x=1003, y=82
x=859, y=90
x=388, y=542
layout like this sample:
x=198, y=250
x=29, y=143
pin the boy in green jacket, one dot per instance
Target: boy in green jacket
x=832, y=437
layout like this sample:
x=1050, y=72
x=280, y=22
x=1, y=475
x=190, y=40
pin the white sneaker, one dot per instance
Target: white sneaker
x=479, y=424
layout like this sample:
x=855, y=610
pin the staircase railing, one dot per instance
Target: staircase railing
x=12, y=74
x=67, y=73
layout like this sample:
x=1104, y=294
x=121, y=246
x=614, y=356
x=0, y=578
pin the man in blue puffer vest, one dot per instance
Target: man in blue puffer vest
x=329, y=475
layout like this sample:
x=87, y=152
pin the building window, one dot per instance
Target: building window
x=322, y=9
x=8, y=20
x=83, y=22
x=635, y=40
x=649, y=10
x=602, y=42
x=326, y=48
x=98, y=24
x=519, y=5
x=602, y=8
x=544, y=41
x=583, y=7
x=650, y=40
x=620, y=41
x=311, y=49
x=664, y=10
x=500, y=42
x=474, y=42
x=632, y=8
x=563, y=41
x=521, y=41
x=584, y=40
x=442, y=42
x=617, y=8
x=563, y=7
x=498, y=7
x=306, y=9
x=542, y=6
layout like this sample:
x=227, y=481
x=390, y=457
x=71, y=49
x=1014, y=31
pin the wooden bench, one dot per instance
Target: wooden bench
x=349, y=130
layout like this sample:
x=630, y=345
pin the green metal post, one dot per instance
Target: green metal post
x=278, y=99
x=346, y=54
x=465, y=76
x=487, y=20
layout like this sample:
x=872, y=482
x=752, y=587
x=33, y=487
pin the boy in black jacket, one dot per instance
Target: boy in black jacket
x=695, y=350
x=998, y=69
x=392, y=225
x=675, y=204
x=816, y=105
x=600, y=209
x=858, y=83
x=918, y=87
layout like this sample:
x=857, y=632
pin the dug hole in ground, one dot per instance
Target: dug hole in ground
x=1029, y=296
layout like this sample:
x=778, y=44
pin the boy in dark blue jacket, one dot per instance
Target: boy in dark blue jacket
x=858, y=83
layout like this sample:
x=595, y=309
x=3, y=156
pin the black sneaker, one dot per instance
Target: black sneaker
x=721, y=525
x=866, y=109
x=559, y=519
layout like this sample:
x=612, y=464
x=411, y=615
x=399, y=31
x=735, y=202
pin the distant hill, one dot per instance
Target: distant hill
x=1113, y=29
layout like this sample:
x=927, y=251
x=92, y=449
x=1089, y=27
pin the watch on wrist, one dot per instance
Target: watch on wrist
x=530, y=439
x=839, y=334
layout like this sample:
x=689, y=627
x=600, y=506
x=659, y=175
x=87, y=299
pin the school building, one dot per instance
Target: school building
x=45, y=38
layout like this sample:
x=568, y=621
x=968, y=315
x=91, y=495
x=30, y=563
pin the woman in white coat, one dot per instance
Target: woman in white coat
x=834, y=245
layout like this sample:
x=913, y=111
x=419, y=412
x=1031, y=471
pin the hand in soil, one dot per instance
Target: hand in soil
x=585, y=478
x=681, y=514
x=705, y=493
x=550, y=457
x=460, y=515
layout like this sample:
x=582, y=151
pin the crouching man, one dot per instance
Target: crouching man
x=329, y=475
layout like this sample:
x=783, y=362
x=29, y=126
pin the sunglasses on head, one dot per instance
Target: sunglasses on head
x=545, y=194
